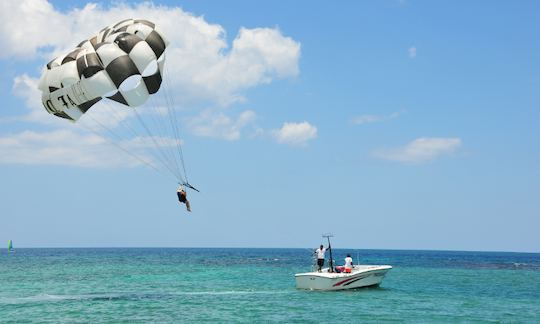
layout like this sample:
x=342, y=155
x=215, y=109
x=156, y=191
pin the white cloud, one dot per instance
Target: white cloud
x=257, y=57
x=217, y=125
x=28, y=25
x=421, y=150
x=368, y=119
x=296, y=134
x=61, y=147
x=412, y=52
x=70, y=148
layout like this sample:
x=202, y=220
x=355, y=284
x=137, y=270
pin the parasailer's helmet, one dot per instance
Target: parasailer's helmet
x=123, y=62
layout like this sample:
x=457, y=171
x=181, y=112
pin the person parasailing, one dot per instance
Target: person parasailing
x=123, y=65
x=182, y=197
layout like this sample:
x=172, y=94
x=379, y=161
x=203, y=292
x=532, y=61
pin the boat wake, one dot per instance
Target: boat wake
x=44, y=298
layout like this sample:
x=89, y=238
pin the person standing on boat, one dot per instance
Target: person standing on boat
x=320, y=256
x=348, y=263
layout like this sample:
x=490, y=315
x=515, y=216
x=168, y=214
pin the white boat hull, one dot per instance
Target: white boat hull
x=360, y=276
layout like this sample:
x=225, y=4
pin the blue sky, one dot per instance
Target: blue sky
x=393, y=124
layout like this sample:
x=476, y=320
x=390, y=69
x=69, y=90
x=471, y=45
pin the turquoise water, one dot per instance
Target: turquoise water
x=257, y=285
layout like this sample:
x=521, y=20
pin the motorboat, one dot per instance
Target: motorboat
x=339, y=278
x=360, y=276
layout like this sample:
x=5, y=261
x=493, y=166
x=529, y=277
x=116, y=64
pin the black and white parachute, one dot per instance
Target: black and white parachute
x=123, y=62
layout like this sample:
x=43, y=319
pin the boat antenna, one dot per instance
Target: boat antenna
x=331, y=261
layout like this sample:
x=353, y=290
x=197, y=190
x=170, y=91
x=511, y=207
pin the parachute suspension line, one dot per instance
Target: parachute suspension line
x=147, y=163
x=173, y=131
x=159, y=120
x=166, y=160
x=121, y=121
x=162, y=140
x=157, y=139
x=174, y=121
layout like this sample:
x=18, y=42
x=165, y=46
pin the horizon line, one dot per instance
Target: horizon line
x=240, y=247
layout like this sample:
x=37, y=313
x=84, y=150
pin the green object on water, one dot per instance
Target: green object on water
x=10, y=245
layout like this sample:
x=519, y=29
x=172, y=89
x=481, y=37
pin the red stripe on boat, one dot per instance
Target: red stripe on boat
x=344, y=281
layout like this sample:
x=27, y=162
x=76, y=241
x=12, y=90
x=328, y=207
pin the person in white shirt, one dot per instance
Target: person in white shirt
x=320, y=257
x=348, y=262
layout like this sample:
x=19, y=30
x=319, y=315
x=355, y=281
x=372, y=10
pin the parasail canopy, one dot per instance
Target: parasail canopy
x=123, y=62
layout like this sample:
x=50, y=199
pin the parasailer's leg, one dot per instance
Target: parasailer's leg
x=188, y=206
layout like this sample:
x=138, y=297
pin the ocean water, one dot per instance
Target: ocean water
x=257, y=285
